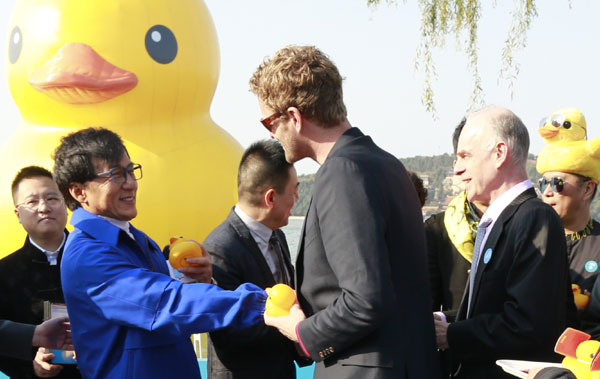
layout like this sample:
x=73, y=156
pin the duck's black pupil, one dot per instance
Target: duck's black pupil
x=567, y=124
x=161, y=44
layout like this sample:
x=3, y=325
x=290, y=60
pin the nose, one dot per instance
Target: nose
x=548, y=191
x=43, y=206
x=130, y=181
x=458, y=167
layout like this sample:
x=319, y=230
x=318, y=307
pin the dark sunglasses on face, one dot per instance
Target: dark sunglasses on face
x=557, y=183
x=268, y=121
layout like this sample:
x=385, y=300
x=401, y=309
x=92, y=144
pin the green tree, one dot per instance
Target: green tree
x=442, y=18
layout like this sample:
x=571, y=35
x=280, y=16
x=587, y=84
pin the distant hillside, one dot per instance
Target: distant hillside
x=305, y=189
x=437, y=174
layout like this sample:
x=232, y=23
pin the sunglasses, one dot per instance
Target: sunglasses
x=268, y=121
x=557, y=183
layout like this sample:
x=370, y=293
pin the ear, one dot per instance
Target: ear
x=500, y=154
x=295, y=117
x=588, y=189
x=268, y=197
x=77, y=191
x=18, y=214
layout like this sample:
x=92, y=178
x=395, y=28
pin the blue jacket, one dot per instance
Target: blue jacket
x=129, y=319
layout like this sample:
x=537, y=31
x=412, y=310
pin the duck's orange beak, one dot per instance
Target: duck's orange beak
x=77, y=74
x=547, y=132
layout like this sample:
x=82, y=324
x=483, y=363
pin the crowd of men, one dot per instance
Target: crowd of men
x=380, y=295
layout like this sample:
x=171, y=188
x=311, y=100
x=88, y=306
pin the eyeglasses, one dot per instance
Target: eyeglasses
x=268, y=121
x=33, y=204
x=119, y=174
x=557, y=183
x=557, y=120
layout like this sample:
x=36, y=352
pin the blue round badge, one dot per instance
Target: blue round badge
x=591, y=266
x=487, y=256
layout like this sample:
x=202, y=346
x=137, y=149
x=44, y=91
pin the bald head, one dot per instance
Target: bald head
x=497, y=124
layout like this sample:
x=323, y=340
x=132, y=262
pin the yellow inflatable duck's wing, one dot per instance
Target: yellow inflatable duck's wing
x=567, y=124
x=593, y=148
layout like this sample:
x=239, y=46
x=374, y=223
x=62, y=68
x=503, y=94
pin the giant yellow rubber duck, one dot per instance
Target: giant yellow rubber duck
x=567, y=148
x=146, y=69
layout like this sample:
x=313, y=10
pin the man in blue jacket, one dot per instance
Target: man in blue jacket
x=129, y=319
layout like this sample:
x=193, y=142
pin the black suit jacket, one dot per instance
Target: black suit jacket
x=362, y=268
x=260, y=351
x=518, y=309
x=448, y=269
x=15, y=339
x=26, y=281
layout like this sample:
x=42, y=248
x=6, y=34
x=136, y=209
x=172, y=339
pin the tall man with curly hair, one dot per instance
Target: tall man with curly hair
x=364, y=306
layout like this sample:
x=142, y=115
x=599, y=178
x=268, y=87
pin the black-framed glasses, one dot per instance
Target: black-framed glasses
x=268, y=121
x=119, y=174
x=33, y=204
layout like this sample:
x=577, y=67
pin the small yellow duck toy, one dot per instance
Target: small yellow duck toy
x=180, y=249
x=581, y=299
x=581, y=353
x=146, y=69
x=280, y=299
x=567, y=148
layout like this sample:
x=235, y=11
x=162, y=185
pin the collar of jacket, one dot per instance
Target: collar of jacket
x=99, y=228
x=347, y=137
x=507, y=214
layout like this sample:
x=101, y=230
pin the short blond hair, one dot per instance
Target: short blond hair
x=305, y=78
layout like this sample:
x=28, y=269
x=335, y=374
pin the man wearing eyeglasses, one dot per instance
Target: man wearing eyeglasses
x=31, y=275
x=364, y=303
x=569, y=182
x=129, y=318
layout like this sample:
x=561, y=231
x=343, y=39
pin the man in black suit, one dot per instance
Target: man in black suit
x=515, y=302
x=31, y=275
x=249, y=247
x=361, y=267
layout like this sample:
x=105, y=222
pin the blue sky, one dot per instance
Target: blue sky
x=375, y=51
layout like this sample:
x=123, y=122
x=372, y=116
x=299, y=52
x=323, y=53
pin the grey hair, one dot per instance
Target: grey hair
x=508, y=127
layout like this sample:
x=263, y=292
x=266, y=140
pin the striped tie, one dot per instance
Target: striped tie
x=280, y=273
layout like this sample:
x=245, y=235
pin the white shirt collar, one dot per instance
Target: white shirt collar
x=52, y=256
x=123, y=225
x=259, y=231
x=498, y=206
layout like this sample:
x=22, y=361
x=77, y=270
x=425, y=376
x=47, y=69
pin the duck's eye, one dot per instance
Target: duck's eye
x=567, y=125
x=14, y=45
x=161, y=44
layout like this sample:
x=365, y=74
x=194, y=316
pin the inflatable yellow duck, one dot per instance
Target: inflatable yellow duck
x=567, y=148
x=581, y=353
x=146, y=69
